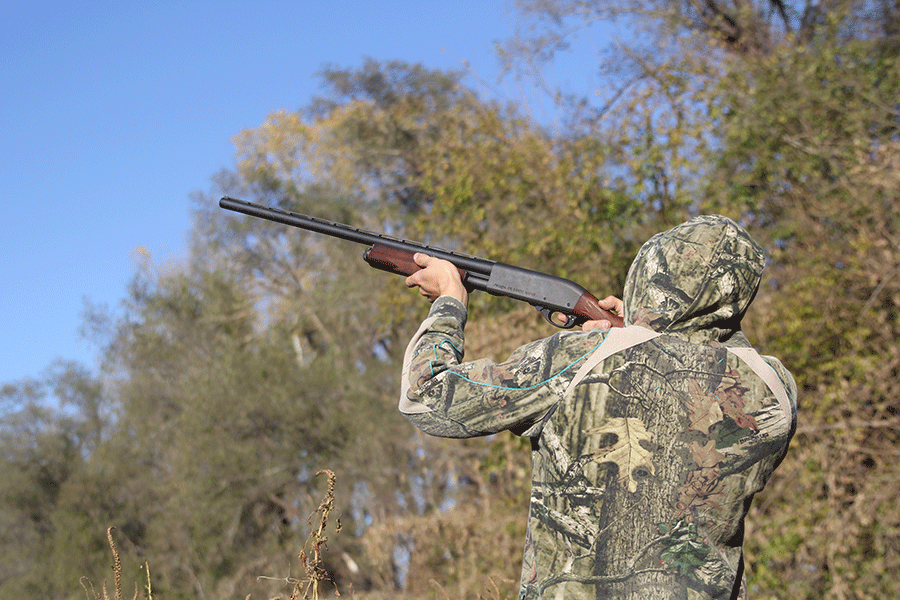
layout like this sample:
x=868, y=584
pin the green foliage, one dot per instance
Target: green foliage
x=49, y=427
x=802, y=123
x=684, y=550
x=811, y=154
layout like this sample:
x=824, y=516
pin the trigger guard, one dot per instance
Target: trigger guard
x=548, y=313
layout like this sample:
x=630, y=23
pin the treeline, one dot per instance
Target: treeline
x=230, y=380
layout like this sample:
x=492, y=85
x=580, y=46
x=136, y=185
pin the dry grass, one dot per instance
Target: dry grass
x=312, y=555
x=311, y=559
x=92, y=594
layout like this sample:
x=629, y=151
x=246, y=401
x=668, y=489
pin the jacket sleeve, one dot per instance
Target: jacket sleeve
x=446, y=397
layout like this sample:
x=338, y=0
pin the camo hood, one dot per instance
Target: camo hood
x=695, y=280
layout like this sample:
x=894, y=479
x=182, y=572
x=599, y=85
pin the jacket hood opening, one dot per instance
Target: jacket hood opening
x=695, y=280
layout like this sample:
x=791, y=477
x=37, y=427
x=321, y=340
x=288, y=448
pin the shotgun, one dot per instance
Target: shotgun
x=549, y=294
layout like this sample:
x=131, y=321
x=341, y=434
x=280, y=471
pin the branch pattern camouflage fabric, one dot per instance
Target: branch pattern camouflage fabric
x=643, y=474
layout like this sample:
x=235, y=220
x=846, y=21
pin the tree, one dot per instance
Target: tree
x=50, y=425
x=229, y=411
x=819, y=175
x=266, y=356
x=800, y=131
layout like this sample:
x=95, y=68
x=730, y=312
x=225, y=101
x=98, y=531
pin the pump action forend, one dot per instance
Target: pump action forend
x=549, y=294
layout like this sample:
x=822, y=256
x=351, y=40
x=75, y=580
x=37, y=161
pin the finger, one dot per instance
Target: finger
x=598, y=324
x=613, y=304
x=417, y=279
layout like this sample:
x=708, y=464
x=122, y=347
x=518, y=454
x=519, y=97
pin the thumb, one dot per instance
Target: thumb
x=423, y=260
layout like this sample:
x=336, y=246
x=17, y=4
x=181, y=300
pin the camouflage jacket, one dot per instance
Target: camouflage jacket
x=644, y=469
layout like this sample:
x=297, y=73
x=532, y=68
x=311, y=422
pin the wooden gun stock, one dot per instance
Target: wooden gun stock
x=400, y=262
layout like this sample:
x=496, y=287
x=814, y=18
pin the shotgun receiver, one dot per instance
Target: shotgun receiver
x=550, y=295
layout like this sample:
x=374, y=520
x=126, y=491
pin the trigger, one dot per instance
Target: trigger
x=549, y=313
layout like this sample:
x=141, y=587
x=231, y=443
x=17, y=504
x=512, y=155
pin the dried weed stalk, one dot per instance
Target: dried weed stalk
x=88, y=586
x=312, y=554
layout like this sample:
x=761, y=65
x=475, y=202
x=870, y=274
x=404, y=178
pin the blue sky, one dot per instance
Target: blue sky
x=114, y=112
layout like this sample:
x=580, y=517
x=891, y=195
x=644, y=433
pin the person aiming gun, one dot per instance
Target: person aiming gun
x=648, y=441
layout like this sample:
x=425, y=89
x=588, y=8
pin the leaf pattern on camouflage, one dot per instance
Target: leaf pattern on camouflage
x=626, y=452
x=684, y=551
x=704, y=409
x=706, y=456
x=733, y=403
x=703, y=489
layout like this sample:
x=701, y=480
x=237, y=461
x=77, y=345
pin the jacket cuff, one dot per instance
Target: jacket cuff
x=448, y=306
